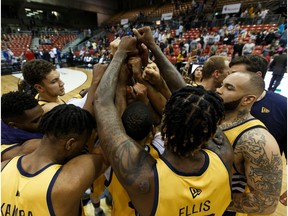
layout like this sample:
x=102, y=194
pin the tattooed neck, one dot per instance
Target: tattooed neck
x=242, y=115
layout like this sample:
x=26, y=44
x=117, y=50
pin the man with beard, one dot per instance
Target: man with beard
x=44, y=77
x=270, y=108
x=257, y=169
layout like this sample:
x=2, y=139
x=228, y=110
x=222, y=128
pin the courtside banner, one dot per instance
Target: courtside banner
x=232, y=8
x=166, y=16
x=124, y=21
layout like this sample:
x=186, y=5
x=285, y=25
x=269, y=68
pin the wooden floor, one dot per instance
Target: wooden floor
x=9, y=83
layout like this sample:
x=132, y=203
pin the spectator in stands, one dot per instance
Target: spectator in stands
x=199, y=48
x=29, y=55
x=180, y=29
x=156, y=35
x=46, y=55
x=88, y=60
x=263, y=14
x=58, y=55
x=181, y=58
x=216, y=37
x=213, y=49
x=10, y=54
x=279, y=67
x=248, y=48
x=237, y=48
x=196, y=76
x=269, y=37
x=281, y=28
x=259, y=38
x=283, y=39
x=267, y=52
x=52, y=56
x=5, y=55
x=203, y=58
x=223, y=50
x=36, y=52
x=251, y=11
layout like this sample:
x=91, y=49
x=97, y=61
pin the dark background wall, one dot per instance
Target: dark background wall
x=73, y=13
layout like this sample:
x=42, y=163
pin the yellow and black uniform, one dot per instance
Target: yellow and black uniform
x=239, y=181
x=43, y=102
x=122, y=204
x=8, y=147
x=206, y=192
x=21, y=192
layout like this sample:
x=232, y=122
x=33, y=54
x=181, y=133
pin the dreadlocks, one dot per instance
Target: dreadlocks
x=190, y=119
x=66, y=119
x=13, y=104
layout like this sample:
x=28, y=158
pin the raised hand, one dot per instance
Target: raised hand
x=98, y=71
x=144, y=35
x=140, y=93
x=151, y=74
x=128, y=45
x=144, y=54
x=114, y=45
x=135, y=64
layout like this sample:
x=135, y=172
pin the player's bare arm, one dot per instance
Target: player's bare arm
x=258, y=157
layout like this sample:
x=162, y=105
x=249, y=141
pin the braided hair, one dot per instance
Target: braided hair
x=13, y=104
x=66, y=119
x=190, y=119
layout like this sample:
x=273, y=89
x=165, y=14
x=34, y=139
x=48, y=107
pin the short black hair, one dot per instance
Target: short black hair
x=13, y=104
x=253, y=63
x=190, y=119
x=137, y=120
x=66, y=119
x=36, y=70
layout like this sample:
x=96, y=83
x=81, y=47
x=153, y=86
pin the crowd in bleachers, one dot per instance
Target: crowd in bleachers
x=171, y=36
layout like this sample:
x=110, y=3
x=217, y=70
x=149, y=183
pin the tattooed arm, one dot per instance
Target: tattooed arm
x=132, y=164
x=257, y=155
x=172, y=77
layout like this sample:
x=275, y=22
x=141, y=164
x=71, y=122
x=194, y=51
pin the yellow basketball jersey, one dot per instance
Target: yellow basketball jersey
x=239, y=182
x=98, y=187
x=43, y=102
x=6, y=147
x=206, y=192
x=235, y=132
x=27, y=194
